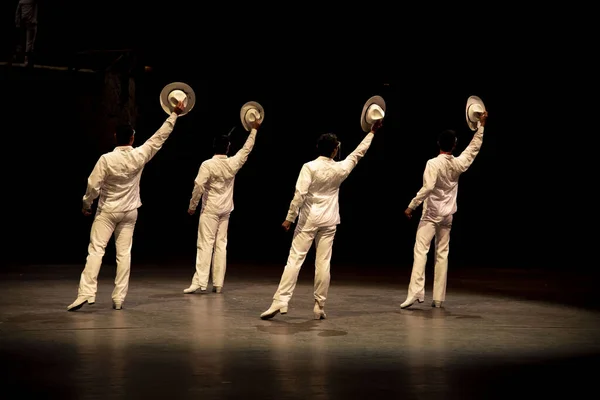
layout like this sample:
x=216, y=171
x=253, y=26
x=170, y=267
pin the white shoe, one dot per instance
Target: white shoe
x=193, y=288
x=411, y=301
x=275, y=308
x=318, y=311
x=117, y=306
x=80, y=301
x=217, y=289
x=437, y=303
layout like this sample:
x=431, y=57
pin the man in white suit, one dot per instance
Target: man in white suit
x=438, y=195
x=316, y=202
x=214, y=185
x=116, y=179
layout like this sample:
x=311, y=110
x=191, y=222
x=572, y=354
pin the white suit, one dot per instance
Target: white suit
x=316, y=201
x=438, y=195
x=116, y=179
x=214, y=184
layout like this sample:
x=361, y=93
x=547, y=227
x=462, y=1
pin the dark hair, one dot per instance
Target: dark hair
x=124, y=132
x=326, y=144
x=221, y=144
x=447, y=140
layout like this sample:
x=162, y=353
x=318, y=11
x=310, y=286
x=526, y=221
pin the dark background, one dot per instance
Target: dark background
x=507, y=202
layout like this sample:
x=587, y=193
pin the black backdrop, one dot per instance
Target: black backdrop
x=506, y=200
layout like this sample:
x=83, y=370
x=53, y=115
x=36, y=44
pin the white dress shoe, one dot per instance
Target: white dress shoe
x=410, y=302
x=193, y=288
x=437, y=303
x=80, y=301
x=117, y=306
x=217, y=289
x=276, y=307
x=318, y=311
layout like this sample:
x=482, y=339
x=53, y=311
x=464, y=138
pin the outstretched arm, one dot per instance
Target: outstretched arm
x=154, y=144
x=240, y=158
x=149, y=149
x=429, y=179
x=467, y=157
x=95, y=181
x=302, y=185
x=350, y=162
x=199, y=183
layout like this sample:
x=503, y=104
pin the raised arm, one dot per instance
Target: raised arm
x=94, y=184
x=302, y=185
x=199, y=184
x=149, y=149
x=240, y=158
x=468, y=155
x=350, y=162
x=429, y=179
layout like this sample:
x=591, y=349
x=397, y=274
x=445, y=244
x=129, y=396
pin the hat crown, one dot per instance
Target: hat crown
x=176, y=96
x=252, y=115
x=374, y=113
x=474, y=110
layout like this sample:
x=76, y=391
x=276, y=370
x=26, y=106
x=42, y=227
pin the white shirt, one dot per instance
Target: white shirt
x=440, y=181
x=215, y=180
x=318, y=187
x=116, y=176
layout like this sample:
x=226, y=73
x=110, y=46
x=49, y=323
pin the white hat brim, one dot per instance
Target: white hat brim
x=185, y=88
x=366, y=127
x=471, y=119
x=249, y=106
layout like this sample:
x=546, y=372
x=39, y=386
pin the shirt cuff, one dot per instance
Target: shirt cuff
x=290, y=217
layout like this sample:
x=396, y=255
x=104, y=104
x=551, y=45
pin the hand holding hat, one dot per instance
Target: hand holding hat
x=252, y=115
x=474, y=112
x=175, y=93
x=373, y=113
x=179, y=107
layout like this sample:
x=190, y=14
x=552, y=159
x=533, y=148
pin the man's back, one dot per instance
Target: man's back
x=121, y=188
x=317, y=188
x=116, y=176
x=440, y=180
x=218, y=193
x=216, y=178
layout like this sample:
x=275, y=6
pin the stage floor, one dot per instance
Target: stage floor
x=503, y=333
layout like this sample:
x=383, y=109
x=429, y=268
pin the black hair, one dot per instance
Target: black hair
x=123, y=133
x=447, y=140
x=326, y=144
x=221, y=144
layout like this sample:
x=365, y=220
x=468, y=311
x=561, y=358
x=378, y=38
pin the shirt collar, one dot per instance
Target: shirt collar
x=220, y=156
x=324, y=158
x=123, y=148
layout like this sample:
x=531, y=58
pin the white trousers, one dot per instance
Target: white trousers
x=425, y=233
x=301, y=244
x=212, y=246
x=105, y=223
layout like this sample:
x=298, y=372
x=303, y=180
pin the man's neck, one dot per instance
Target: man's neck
x=446, y=152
